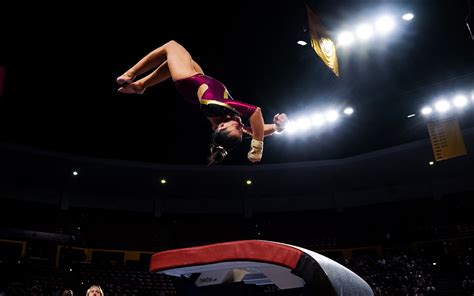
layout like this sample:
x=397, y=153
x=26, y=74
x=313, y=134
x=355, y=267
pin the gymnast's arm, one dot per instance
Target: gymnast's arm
x=257, y=125
x=268, y=130
x=258, y=129
x=279, y=122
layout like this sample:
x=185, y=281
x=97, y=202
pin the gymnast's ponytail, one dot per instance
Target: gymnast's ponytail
x=221, y=143
x=217, y=154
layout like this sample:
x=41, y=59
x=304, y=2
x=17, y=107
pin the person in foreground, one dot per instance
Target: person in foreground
x=224, y=113
x=94, y=290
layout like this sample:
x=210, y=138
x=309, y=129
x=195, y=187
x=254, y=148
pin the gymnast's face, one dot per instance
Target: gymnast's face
x=234, y=127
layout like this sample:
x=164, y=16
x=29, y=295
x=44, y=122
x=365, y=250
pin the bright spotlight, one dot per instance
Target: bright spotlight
x=364, y=31
x=248, y=182
x=303, y=123
x=163, y=181
x=385, y=24
x=345, y=38
x=460, y=101
x=318, y=120
x=348, y=111
x=431, y=163
x=442, y=106
x=291, y=127
x=332, y=116
x=408, y=16
x=302, y=43
x=74, y=173
x=411, y=115
x=426, y=110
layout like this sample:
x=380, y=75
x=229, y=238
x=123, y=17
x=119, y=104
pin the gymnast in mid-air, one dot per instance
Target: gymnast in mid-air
x=224, y=113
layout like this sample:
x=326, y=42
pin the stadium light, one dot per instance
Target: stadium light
x=385, y=24
x=348, y=111
x=460, y=101
x=426, y=110
x=332, y=115
x=345, y=38
x=457, y=103
x=364, y=31
x=442, y=106
x=291, y=127
x=318, y=120
x=408, y=16
x=382, y=25
x=303, y=123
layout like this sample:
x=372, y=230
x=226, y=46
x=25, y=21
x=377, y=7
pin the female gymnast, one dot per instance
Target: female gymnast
x=224, y=113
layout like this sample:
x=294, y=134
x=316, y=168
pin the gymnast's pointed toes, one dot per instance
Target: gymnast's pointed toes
x=131, y=89
x=126, y=90
x=124, y=79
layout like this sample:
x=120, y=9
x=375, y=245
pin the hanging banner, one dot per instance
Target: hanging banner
x=446, y=138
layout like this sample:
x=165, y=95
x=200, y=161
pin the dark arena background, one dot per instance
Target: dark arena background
x=369, y=189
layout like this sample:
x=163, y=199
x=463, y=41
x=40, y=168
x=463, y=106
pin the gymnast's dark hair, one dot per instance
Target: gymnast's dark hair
x=221, y=143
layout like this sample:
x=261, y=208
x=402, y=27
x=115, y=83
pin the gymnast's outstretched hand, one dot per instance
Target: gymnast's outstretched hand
x=280, y=120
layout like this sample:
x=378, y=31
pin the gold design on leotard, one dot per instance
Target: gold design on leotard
x=207, y=102
x=201, y=90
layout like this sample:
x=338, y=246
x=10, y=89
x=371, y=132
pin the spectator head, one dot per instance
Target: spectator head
x=95, y=290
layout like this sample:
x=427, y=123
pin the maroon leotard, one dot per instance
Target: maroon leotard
x=216, y=100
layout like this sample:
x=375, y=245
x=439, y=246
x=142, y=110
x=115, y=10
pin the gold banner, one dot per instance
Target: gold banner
x=322, y=45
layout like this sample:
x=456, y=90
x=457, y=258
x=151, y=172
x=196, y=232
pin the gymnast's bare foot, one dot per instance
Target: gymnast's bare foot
x=132, y=88
x=125, y=78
